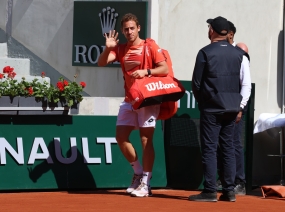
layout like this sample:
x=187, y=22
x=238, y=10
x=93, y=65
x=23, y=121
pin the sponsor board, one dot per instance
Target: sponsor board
x=93, y=19
x=69, y=152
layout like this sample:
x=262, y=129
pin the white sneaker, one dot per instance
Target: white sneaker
x=136, y=181
x=142, y=191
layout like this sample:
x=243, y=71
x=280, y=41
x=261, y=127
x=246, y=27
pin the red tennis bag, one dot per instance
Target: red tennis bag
x=165, y=91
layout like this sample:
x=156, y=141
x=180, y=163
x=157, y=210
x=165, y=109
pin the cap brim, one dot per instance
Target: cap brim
x=209, y=20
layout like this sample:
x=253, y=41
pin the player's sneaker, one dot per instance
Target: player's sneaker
x=136, y=181
x=142, y=191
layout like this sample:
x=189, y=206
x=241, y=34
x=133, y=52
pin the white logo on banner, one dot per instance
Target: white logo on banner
x=39, y=143
x=108, y=19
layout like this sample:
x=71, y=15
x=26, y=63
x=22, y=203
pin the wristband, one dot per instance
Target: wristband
x=148, y=72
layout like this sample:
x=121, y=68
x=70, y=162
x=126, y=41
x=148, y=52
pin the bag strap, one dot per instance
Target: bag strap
x=144, y=65
x=147, y=50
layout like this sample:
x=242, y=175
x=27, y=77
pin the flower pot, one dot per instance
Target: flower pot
x=62, y=103
x=6, y=102
x=39, y=106
x=32, y=102
x=57, y=108
x=73, y=109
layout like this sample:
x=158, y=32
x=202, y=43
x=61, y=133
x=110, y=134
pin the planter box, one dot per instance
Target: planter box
x=7, y=102
x=34, y=106
x=62, y=103
x=37, y=106
x=73, y=109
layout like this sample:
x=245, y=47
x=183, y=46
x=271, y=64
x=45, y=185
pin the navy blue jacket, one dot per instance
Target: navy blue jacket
x=216, y=78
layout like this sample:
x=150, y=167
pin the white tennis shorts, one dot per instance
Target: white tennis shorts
x=143, y=117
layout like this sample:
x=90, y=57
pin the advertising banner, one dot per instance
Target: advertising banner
x=69, y=152
x=93, y=19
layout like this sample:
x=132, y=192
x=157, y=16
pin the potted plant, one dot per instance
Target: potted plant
x=67, y=94
x=39, y=92
x=8, y=90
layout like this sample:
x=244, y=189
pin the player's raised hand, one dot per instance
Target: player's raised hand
x=111, y=39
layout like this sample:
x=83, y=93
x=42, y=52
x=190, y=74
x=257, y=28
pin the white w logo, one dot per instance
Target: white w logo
x=150, y=87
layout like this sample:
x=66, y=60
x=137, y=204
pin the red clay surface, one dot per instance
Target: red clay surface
x=118, y=200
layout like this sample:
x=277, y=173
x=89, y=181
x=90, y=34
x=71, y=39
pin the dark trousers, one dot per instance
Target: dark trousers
x=239, y=155
x=214, y=129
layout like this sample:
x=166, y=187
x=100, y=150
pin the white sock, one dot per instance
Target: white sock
x=146, y=178
x=137, y=167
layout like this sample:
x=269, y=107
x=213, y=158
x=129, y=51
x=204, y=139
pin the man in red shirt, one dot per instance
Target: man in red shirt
x=130, y=55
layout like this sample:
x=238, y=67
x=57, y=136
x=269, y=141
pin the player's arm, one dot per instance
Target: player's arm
x=160, y=70
x=106, y=57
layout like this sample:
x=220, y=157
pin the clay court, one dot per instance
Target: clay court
x=118, y=200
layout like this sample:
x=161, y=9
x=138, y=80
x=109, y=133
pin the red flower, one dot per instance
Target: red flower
x=5, y=69
x=83, y=84
x=43, y=74
x=65, y=83
x=8, y=69
x=31, y=90
x=59, y=84
x=11, y=74
x=1, y=76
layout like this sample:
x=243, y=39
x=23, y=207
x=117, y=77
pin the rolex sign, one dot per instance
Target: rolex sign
x=93, y=19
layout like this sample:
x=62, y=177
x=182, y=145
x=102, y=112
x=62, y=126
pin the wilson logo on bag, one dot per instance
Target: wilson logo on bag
x=159, y=85
x=165, y=91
